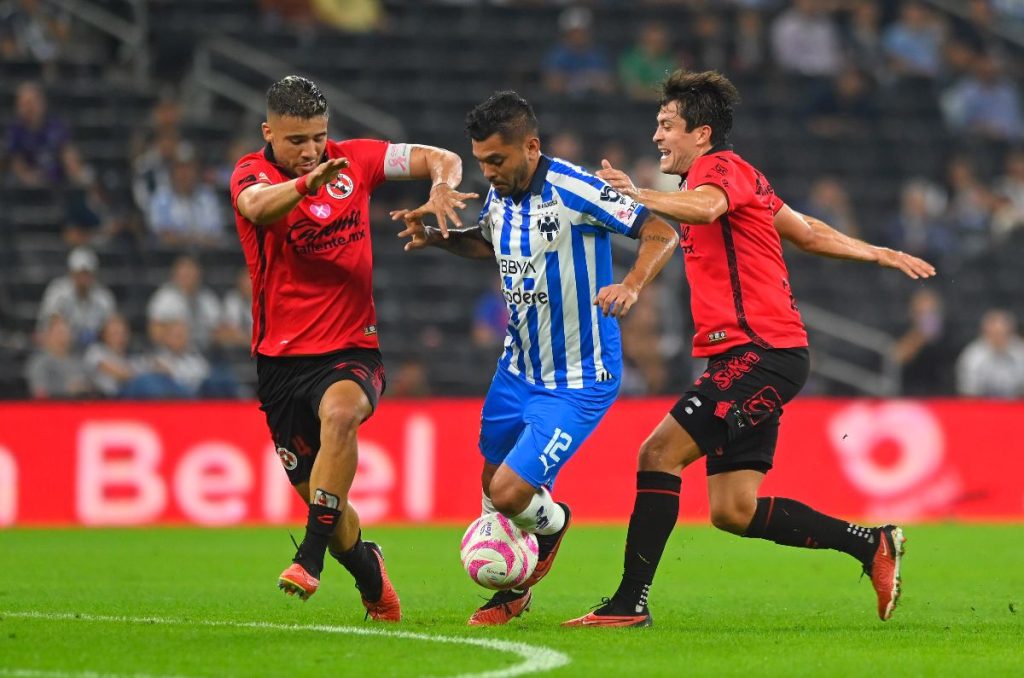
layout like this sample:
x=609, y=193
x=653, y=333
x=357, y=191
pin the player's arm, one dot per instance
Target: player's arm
x=444, y=169
x=266, y=203
x=658, y=241
x=702, y=205
x=815, y=236
x=465, y=242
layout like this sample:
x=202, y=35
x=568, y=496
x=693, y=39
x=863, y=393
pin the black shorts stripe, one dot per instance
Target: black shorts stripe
x=734, y=281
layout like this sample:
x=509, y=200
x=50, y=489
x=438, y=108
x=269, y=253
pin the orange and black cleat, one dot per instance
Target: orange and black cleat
x=296, y=581
x=386, y=608
x=503, y=607
x=545, y=560
x=885, y=569
x=609, y=613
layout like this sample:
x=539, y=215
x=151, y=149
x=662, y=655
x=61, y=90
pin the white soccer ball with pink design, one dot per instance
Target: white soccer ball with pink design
x=496, y=554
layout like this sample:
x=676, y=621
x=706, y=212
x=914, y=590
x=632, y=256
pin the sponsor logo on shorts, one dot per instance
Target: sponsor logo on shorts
x=734, y=368
x=288, y=458
x=762, y=405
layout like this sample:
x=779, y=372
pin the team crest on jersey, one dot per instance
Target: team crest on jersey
x=288, y=458
x=340, y=188
x=548, y=227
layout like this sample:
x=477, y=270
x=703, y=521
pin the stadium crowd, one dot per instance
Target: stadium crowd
x=841, y=58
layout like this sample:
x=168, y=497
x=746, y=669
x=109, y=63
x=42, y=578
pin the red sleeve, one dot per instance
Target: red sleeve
x=250, y=170
x=726, y=175
x=368, y=155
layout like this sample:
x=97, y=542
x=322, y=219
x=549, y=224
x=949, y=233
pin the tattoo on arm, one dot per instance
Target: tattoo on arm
x=656, y=238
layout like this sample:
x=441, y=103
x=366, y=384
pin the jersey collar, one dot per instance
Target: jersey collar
x=536, y=186
x=711, y=151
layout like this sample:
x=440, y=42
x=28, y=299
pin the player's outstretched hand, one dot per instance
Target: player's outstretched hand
x=443, y=202
x=616, y=300
x=914, y=267
x=325, y=173
x=617, y=179
x=415, y=231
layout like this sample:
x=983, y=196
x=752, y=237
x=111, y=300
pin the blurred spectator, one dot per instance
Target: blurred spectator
x=32, y=29
x=1010, y=194
x=88, y=215
x=219, y=176
x=177, y=359
x=566, y=145
x=864, y=36
x=913, y=43
x=846, y=108
x=107, y=361
x=296, y=15
x=237, y=325
x=53, y=371
x=920, y=227
x=985, y=103
x=974, y=31
x=151, y=169
x=805, y=40
x=614, y=152
x=993, y=364
x=35, y=140
x=647, y=63
x=187, y=212
x=711, y=42
x=829, y=201
x=647, y=174
x=576, y=67
x=410, y=380
x=78, y=299
x=971, y=204
x=749, y=46
x=924, y=352
x=645, y=371
x=351, y=16
x=490, y=318
x=184, y=299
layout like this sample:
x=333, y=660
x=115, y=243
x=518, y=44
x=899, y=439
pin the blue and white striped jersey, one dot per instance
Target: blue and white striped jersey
x=554, y=253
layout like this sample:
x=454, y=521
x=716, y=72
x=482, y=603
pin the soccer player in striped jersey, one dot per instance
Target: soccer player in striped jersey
x=548, y=224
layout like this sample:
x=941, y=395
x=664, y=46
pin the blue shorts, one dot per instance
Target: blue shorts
x=535, y=430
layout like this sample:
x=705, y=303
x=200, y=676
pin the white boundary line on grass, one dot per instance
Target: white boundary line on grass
x=536, y=658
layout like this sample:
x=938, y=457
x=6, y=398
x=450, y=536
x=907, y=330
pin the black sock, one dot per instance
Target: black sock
x=654, y=515
x=320, y=525
x=790, y=523
x=362, y=564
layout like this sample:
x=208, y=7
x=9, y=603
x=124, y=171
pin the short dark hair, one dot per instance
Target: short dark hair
x=505, y=113
x=706, y=98
x=296, y=97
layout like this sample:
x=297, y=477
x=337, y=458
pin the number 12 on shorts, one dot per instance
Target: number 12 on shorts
x=559, y=442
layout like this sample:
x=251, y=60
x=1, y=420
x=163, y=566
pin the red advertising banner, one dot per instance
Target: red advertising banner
x=213, y=463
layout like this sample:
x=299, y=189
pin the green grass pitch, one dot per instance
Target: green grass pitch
x=190, y=602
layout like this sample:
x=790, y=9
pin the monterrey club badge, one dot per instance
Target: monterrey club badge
x=340, y=188
x=288, y=458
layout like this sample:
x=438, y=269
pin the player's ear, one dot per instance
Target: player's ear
x=532, y=147
x=267, y=135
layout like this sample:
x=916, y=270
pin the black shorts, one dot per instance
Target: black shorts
x=734, y=408
x=290, y=390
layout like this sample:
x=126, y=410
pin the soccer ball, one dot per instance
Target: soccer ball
x=496, y=554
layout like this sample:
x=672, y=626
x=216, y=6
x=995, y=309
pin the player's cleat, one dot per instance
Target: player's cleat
x=548, y=545
x=885, y=569
x=296, y=581
x=611, y=614
x=503, y=607
x=386, y=608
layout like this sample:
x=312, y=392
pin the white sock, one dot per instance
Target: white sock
x=487, y=505
x=542, y=516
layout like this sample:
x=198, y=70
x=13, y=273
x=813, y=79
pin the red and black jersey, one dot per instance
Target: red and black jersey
x=739, y=285
x=311, y=271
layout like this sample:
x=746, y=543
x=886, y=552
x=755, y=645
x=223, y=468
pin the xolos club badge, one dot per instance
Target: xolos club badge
x=341, y=187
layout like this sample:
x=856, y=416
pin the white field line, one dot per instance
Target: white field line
x=36, y=673
x=536, y=658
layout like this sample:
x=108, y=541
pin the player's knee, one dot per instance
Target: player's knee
x=655, y=455
x=340, y=419
x=731, y=517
